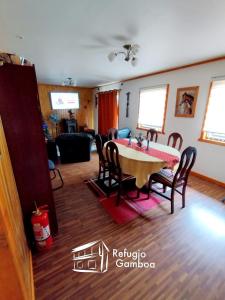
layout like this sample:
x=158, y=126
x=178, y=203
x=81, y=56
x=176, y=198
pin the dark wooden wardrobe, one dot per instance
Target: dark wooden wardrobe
x=22, y=122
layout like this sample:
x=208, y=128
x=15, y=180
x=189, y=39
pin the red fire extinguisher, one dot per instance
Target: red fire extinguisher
x=41, y=228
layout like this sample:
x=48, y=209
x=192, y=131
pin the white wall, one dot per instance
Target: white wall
x=210, y=158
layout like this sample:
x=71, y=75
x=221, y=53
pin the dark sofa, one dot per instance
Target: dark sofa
x=74, y=147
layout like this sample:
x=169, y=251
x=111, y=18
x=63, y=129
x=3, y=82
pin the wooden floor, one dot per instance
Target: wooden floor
x=187, y=247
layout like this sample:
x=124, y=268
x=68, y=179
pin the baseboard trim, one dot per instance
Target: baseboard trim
x=212, y=180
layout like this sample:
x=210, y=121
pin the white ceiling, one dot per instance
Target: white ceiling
x=72, y=38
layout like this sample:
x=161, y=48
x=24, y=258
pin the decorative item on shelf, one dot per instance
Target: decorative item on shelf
x=71, y=114
x=139, y=139
x=186, y=102
x=129, y=53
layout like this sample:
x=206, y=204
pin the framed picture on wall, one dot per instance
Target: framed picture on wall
x=186, y=102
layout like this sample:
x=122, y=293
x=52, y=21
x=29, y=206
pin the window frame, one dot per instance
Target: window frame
x=202, y=136
x=165, y=108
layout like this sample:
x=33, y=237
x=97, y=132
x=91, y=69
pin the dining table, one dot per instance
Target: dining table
x=143, y=161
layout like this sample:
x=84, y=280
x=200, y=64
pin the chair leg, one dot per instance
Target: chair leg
x=103, y=173
x=164, y=189
x=134, y=197
x=110, y=186
x=149, y=187
x=172, y=200
x=62, y=182
x=138, y=193
x=118, y=195
x=54, y=175
x=60, y=176
x=183, y=195
x=99, y=172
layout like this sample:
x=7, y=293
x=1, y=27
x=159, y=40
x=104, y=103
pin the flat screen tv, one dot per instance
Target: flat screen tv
x=64, y=100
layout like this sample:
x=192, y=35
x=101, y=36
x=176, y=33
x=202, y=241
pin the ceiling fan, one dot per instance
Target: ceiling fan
x=130, y=51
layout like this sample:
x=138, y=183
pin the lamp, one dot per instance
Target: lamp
x=68, y=81
x=129, y=54
x=112, y=56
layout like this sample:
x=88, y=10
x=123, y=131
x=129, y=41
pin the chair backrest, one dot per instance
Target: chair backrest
x=112, y=157
x=112, y=133
x=175, y=138
x=152, y=135
x=99, y=146
x=123, y=133
x=187, y=161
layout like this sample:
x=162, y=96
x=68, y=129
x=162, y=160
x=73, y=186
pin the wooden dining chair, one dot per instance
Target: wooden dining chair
x=112, y=134
x=115, y=172
x=175, y=138
x=175, y=180
x=152, y=135
x=103, y=165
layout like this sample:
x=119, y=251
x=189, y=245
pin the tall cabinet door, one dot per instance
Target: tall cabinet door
x=21, y=117
x=16, y=275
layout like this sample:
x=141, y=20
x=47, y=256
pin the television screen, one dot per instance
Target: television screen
x=61, y=100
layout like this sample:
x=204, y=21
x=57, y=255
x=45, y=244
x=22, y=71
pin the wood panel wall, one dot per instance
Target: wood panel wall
x=84, y=115
x=16, y=275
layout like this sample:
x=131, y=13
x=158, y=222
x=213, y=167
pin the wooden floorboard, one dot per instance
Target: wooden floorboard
x=187, y=247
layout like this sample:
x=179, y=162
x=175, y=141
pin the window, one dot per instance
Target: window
x=152, y=107
x=214, y=124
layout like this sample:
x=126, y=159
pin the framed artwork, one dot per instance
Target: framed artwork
x=186, y=102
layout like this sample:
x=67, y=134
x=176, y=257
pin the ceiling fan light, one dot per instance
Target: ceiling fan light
x=135, y=48
x=111, y=56
x=68, y=82
x=134, y=61
x=127, y=57
x=129, y=54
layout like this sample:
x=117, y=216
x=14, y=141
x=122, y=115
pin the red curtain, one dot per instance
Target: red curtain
x=108, y=111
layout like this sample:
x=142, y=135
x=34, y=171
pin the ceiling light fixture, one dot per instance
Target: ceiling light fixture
x=130, y=52
x=20, y=37
x=68, y=81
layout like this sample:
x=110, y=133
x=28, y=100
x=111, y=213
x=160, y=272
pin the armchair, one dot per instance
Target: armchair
x=74, y=147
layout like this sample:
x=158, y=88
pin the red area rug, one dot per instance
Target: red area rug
x=128, y=209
